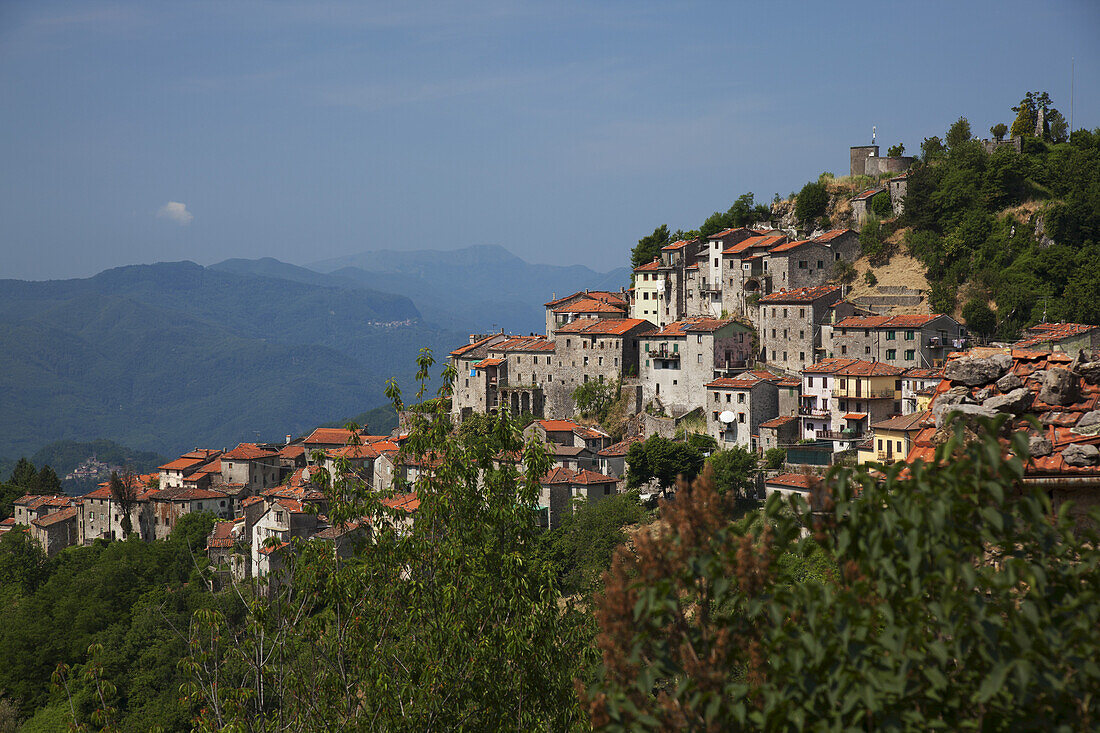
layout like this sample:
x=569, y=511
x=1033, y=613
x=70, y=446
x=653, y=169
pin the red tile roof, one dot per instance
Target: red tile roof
x=675, y=245
x=188, y=494
x=648, y=267
x=689, y=325
x=903, y=321
x=55, y=517
x=523, y=343
x=763, y=242
x=902, y=422
x=557, y=426
x=832, y=234
x=827, y=366
x=486, y=363
x=468, y=347
x=788, y=246
x=778, y=422
x=618, y=449
x=1042, y=333
x=222, y=535
x=292, y=451
x=590, y=306
x=404, y=502
x=353, y=452
x=855, y=416
x=861, y=368
x=561, y=475
x=247, y=452
x=923, y=373
x=602, y=327
x=801, y=295
x=724, y=232
x=867, y=194
x=329, y=436
x=602, y=295
x=181, y=464
x=798, y=481
x=746, y=380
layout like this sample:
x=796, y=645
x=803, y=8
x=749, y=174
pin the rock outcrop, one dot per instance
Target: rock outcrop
x=975, y=371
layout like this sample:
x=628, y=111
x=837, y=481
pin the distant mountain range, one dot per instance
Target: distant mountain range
x=170, y=356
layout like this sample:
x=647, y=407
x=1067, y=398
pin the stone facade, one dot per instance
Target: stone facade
x=251, y=466
x=791, y=325
x=861, y=205
x=679, y=359
x=751, y=398
x=905, y=341
x=865, y=161
x=745, y=269
x=779, y=432
x=898, y=187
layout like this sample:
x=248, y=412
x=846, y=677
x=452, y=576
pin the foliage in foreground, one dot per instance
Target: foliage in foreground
x=450, y=621
x=957, y=605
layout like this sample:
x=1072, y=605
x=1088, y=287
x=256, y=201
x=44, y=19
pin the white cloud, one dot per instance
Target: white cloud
x=177, y=212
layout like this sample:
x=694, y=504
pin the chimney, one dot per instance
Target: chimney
x=288, y=440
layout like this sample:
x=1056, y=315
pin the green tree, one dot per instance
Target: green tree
x=881, y=206
x=812, y=201
x=872, y=242
x=999, y=131
x=896, y=151
x=580, y=549
x=1057, y=127
x=448, y=619
x=649, y=247
x=931, y=148
x=733, y=471
x=22, y=562
x=958, y=133
x=664, y=460
x=594, y=397
x=979, y=317
x=25, y=476
x=956, y=600
x=124, y=490
x=774, y=458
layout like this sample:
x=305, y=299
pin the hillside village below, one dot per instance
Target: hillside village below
x=751, y=335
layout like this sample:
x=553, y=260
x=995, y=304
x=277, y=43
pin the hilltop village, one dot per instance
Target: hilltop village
x=748, y=335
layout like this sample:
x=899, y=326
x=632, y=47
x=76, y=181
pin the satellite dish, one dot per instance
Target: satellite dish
x=727, y=417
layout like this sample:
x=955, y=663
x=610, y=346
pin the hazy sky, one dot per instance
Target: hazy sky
x=141, y=132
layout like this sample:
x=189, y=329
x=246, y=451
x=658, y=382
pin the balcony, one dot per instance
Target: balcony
x=937, y=342
x=848, y=393
x=710, y=287
x=837, y=435
x=663, y=353
x=813, y=412
x=884, y=457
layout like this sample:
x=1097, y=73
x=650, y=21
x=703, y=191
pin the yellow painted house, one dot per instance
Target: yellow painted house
x=891, y=439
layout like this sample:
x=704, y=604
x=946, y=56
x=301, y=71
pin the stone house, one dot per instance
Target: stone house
x=678, y=272
x=917, y=386
x=905, y=341
x=562, y=310
x=891, y=439
x=790, y=395
x=173, y=472
x=791, y=324
x=649, y=292
x=285, y=519
x=568, y=433
x=864, y=392
x=470, y=393
x=898, y=186
x=169, y=505
x=679, y=359
x=788, y=484
x=779, y=432
x=601, y=350
x=251, y=466
x=611, y=461
x=322, y=439
x=861, y=204
x=55, y=531
x=745, y=275
x=30, y=507
x=816, y=409
x=745, y=401
x=1069, y=338
x=561, y=486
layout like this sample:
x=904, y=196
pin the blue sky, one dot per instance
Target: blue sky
x=143, y=132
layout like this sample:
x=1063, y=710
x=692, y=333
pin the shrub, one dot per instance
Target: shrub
x=812, y=201
x=843, y=271
x=774, y=458
x=881, y=206
x=870, y=279
x=896, y=151
x=979, y=317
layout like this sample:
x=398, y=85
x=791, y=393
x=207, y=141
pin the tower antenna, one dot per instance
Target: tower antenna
x=873, y=130
x=1072, y=61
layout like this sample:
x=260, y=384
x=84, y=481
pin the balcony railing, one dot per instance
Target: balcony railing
x=664, y=353
x=837, y=435
x=813, y=412
x=850, y=393
x=937, y=342
x=883, y=457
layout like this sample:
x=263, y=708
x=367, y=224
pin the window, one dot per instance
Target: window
x=773, y=333
x=866, y=332
x=729, y=397
x=866, y=349
x=891, y=353
x=801, y=334
x=821, y=264
x=843, y=348
x=699, y=358
x=802, y=264
x=810, y=381
x=784, y=356
x=784, y=312
x=844, y=384
x=910, y=355
x=740, y=398
x=908, y=335
x=802, y=356
x=890, y=335
x=601, y=361
x=716, y=399
x=801, y=312
x=740, y=417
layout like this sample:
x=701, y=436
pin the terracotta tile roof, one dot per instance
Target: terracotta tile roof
x=746, y=380
x=292, y=451
x=336, y=531
x=801, y=295
x=690, y=325
x=922, y=373
x=585, y=477
x=726, y=232
x=557, y=426
x=33, y=501
x=486, y=363
x=294, y=506
x=181, y=464
x=789, y=383
x=832, y=234
x=761, y=242
x=590, y=306
x=603, y=326
x=353, y=452
x=867, y=194
x=62, y=515
x=1042, y=333
x=469, y=347
x=788, y=246
x=675, y=245
x=272, y=549
x=903, y=321
x=566, y=450
x=103, y=492
x=222, y=535
x=589, y=433
x=827, y=366
x=618, y=449
x=778, y=422
x=523, y=343
x=861, y=368
x=251, y=500
x=901, y=422
x=246, y=452
x=202, y=453
x=798, y=481
x=601, y=295
x=9, y=522
x=405, y=502
x=328, y=436
x=187, y=493
x=855, y=416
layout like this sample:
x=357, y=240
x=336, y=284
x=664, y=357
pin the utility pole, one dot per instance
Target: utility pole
x=1072, y=61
